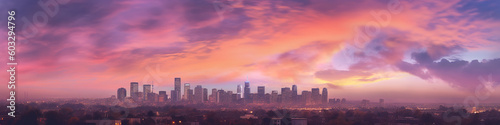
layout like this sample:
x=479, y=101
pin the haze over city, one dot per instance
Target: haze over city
x=409, y=51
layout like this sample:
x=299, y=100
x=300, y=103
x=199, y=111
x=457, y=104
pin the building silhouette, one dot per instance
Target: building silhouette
x=198, y=94
x=205, y=95
x=187, y=86
x=134, y=89
x=246, y=92
x=315, y=96
x=238, y=91
x=177, y=89
x=286, y=94
x=190, y=95
x=162, y=96
x=213, y=96
x=324, y=96
x=174, y=96
x=274, y=97
x=146, y=90
x=294, y=92
x=306, y=97
x=121, y=94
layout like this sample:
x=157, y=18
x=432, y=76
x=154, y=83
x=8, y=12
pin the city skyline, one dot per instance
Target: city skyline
x=287, y=96
x=399, y=50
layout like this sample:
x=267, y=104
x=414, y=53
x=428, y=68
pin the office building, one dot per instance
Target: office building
x=198, y=94
x=246, y=92
x=219, y=96
x=162, y=96
x=365, y=102
x=187, y=86
x=238, y=91
x=324, y=96
x=294, y=92
x=121, y=94
x=261, y=91
x=332, y=101
x=315, y=96
x=177, y=88
x=173, y=96
x=152, y=97
x=205, y=95
x=286, y=94
x=274, y=97
x=146, y=90
x=213, y=95
x=306, y=97
x=190, y=95
x=134, y=88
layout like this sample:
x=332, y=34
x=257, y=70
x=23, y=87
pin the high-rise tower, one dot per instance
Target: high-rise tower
x=324, y=96
x=187, y=86
x=146, y=90
x=286, y=94
x=261, y=91
x=198, y=94
x=177, y=89
x=121, y=94
x=315, y=96
x=205, y=94
x=246, y=93
x=238, y=91
x=134, y=88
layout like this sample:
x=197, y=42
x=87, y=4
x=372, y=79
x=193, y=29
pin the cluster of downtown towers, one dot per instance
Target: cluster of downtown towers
x=200, y=95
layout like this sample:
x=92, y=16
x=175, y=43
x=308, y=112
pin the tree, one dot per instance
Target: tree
x=53, y=118
x=30, y=117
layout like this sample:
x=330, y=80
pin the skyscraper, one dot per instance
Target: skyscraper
x=238, y=91
x=177, y=88
x=286, y=94
x=306, y=97
x=214, y=95
x=205, y=94
x=274, y=97
x=246, y=93
x=261, y=91
x=121, y=94
x=324, y=96
x=146, y=90
x=294, y=92
x=190, y=95
x=187, y=86
x=173, y=96
x=219, y=97
x=134, y=88
x=198, y=94
x=315, y=96
x=162, y=96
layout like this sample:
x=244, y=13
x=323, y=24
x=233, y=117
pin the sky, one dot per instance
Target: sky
x=398, y=50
